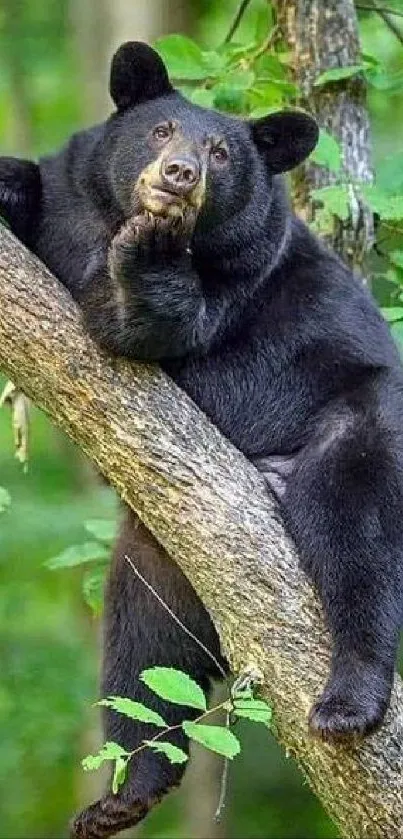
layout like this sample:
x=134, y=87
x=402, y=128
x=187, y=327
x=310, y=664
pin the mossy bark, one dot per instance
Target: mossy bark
x=210, y=510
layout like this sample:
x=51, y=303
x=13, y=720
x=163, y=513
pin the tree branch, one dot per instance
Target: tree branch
x=210, y=510
x=386, y=16
x=237, y=20
x=372, y=7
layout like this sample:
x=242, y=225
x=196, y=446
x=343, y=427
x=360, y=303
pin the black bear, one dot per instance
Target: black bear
x=170, y=225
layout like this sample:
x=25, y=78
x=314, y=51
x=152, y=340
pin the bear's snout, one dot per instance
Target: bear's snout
x=180, y=173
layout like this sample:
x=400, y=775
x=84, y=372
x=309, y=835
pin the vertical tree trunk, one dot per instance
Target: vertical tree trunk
x=323, y=35
x=145, y=20
x=91, y=22
x=19, y=126
x=100, y=26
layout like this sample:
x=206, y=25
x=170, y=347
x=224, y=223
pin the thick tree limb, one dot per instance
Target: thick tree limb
x=210, y=510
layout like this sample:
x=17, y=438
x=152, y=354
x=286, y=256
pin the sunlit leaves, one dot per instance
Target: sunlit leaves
x=78, y=555
x=338, y=74
x=109, y=751
x=217, y=738
x=183, y=57
x=234, y=78
x=119, y=773
x=327, y=152
x=173, y=753
x=93, y=589
x=174, y=686
x=104, y=530
x=253, y=709
x=134, y=710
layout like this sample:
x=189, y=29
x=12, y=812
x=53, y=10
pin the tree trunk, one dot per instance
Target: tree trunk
x=324, y=35
x=100, y=26
x=19, y=122
x=210, y=510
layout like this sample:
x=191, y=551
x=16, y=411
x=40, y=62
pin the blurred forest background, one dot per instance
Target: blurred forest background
x=54, y=61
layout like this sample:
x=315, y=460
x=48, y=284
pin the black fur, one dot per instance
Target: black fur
x=278, y=343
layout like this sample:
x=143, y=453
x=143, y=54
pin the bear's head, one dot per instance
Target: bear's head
x=161, y=153
x=164, y=153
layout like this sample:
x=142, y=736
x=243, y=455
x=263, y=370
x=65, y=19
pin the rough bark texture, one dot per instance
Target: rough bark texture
x=323, y=35
x=210, y=510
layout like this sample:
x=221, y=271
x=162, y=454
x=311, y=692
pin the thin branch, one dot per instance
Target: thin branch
x=390, y=23
x=237, y=20
x=369, y=7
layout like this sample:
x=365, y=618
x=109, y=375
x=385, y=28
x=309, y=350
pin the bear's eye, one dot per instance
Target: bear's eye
x=163, y=132
x=219, y=154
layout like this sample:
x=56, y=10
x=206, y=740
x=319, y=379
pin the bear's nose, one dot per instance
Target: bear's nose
x=180, y=173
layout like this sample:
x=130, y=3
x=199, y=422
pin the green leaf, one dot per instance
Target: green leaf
x=241, y=695
x=370, y=59
x=257, y=113
x=103, y=530
x=202, y=96
x=109, y=751
x=336, y=74
x=329, y=201
x=269, y=67
x=173, y=753
x=215, y=63
x=265, y=98
x=78, y=555
x=386, y=205
x=217, y=738
x=327, y=152
x=241, y=80
x=334, y=199
x=232, y=52
x=396, y=257
x=183, y=57
x=174, y=686
x=392, y=313
x=93, y=590
x=264, y=22
x=119, y=774
x=253, y=709
x=270, y=93
x=134, y=710
x=381, y=80
x=229, y=98
x=229, y=95
x=5, y=499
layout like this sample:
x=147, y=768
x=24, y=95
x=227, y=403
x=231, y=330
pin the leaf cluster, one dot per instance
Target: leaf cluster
x=177, y=687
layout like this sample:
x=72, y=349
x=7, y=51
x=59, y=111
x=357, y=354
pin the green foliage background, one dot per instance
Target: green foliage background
x=49, y=638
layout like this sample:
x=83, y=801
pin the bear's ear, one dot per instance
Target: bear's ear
x=138, y=74
x=20, y=194
x=285, y=138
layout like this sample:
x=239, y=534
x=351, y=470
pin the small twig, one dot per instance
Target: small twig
x=385, y=15
x=237, y=20
x=170, y=728
x=267, y=43
x=175, y=617
x=369, y=7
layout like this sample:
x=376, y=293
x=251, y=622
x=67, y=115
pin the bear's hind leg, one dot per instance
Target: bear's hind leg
x=139, y=633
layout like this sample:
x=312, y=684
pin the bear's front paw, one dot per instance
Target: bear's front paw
x=341, y=716
x=150, y=239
